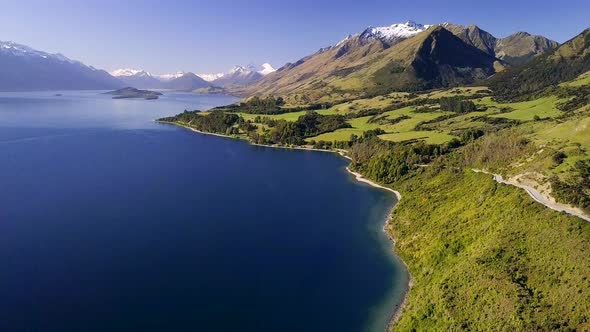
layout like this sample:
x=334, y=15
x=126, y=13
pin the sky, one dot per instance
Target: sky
x=212, y=36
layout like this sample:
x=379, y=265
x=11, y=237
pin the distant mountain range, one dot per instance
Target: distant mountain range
x=237, y=76
x=23, y=68
x=142, y=79
x=401, y=57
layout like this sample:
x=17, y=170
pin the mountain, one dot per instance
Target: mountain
x=137, y=78
x=186, y=82
x=516, y=49
x=239, y=75
x=400, y=57
x=266, y=68
x=435, y=59
x=169, y=77
x=389, y=35
x=564, y=63
x=23, y=68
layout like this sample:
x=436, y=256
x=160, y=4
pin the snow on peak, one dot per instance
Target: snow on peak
x=396, y=31
x=389, y=33
x=266, y=69
x=169, y=77
x=211, y=77
x=241, y=69
x=238, y=70
x=126, y=72
x=12, y=48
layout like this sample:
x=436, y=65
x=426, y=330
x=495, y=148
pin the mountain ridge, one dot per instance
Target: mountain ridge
x=23, y=68
x=361, y=66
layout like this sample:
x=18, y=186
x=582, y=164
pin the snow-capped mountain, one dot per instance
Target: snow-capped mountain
x=125, y=72
x=266, y=69
x=169, y=77
x=24, y=68
x=137, y=78
x=211, y=77
x=390, y=34
x=239, y=75
x=14, y=49
x=186, y=82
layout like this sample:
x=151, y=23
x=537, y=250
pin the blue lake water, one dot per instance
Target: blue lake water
x=111, y=222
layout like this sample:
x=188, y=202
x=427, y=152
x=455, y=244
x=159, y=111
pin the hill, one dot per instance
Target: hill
x=565, y=63
x=516, y=49
x=140, y=79
x=186, y=82
x=367, y=64
x=23, y=69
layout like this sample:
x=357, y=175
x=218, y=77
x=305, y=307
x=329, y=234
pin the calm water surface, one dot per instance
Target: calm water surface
x=111, y=222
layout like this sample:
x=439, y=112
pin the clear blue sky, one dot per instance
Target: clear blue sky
x=211, y=36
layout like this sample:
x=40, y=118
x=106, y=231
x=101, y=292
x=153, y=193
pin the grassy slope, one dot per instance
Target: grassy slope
x=401, y=131
x=526, y=111
x=583, y=79
x=485, y=256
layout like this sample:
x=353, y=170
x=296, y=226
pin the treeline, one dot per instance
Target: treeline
x=269, y=106
x=576, y=190
x=388, y=162
x=457, y=104
x=213, y=122
x=576, y=97
x=257, y=105
x=295, y=132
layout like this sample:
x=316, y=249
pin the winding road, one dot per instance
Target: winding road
x=537, y=196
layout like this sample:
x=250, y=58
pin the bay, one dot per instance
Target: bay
x=112, y=222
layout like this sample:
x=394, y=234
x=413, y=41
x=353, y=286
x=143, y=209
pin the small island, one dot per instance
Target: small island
x=211, y=90
x=130, y=92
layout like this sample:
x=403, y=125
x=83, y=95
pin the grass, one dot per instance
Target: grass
x=485, y=256
x=338, y=135
x=368, y=103
x=430, y=137
x=457, y=92
x=293, y=116
x=575, y=130
x=583, y=79
x=526, y=111
x=401, y=131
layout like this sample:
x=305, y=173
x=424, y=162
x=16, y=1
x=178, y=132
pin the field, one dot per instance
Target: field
x=526, y=111
x=292, y=116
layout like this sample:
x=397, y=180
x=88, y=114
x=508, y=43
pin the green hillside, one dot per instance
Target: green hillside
x=565, y=63
x=482, y=255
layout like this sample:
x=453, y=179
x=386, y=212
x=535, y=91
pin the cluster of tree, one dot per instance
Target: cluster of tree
x=576, y=190
x=576, y=97
x=385, y=120
x=214, y=122
x=527, y=81
x=457, y=104
x=257, y=105
x=388, y=163
x=295, y=132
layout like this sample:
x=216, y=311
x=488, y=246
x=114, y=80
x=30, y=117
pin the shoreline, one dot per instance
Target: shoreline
x=398, y=309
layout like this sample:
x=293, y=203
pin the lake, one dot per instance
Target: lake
x=112, y=222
